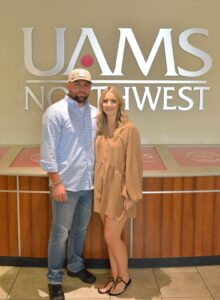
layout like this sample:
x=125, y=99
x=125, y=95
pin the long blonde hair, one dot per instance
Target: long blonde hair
x=121, y=118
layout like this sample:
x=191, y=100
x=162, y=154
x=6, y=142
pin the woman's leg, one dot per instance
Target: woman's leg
x=117, y=249
x=113, y=264
x=114, y=269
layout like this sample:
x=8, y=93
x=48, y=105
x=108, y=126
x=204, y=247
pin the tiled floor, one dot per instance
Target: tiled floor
x=186, y=283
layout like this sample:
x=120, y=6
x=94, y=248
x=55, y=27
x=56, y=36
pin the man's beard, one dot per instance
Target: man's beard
x=80, y=99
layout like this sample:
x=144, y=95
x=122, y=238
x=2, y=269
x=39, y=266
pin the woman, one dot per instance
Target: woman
x=118, y=181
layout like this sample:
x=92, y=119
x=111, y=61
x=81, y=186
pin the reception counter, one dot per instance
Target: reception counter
x=178, y=218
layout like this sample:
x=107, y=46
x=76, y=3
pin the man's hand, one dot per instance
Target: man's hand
x=59, y=192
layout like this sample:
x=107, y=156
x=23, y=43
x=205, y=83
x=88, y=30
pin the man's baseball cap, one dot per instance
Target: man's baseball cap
x=80, y=74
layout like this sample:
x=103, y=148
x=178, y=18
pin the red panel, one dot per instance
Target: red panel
x=28, y=157
x=3, y=151
x=196, y=156
x=151, y=159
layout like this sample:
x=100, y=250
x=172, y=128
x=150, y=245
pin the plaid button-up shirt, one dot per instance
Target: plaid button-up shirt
x=67, y=143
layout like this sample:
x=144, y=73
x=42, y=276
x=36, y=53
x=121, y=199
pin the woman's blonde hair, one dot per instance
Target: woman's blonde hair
x=121, y=118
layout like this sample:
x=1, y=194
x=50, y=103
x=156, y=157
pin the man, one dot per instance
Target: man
x=67, y=154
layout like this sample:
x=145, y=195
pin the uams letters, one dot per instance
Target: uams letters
x=126, y=37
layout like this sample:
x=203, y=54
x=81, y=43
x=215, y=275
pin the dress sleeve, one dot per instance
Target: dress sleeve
x=132, y=188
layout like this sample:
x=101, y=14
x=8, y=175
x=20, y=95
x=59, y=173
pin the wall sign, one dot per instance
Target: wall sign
x=180, y=89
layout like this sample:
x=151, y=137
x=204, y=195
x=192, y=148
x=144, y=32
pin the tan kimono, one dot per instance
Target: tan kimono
x=118, y=172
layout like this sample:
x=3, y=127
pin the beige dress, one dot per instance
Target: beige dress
x=118, y=172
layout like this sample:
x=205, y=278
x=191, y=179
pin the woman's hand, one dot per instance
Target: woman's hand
x=128, y=203
x=59, y=192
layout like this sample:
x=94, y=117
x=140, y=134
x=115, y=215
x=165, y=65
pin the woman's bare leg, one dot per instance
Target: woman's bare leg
x=117, y=249
x=114, y=268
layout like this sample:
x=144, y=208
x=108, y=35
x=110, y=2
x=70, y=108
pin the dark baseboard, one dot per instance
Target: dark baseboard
x=133, y=262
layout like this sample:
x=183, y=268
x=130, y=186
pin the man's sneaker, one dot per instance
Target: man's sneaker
x=84, y=275
x=56, y=292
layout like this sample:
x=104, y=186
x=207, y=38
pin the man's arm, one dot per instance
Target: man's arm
x=58, y=188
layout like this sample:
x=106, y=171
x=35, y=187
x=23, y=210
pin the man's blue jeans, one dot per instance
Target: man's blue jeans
x=70, y=220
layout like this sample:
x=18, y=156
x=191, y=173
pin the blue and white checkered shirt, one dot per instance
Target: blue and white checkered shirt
x=67, y=143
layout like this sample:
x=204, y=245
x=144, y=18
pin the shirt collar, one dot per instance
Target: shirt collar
x=74, y=102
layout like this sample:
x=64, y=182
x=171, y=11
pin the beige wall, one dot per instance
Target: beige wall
x=145, y=18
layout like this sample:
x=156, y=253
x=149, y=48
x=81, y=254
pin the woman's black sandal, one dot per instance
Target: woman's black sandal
x=117, y=281
x=111, y=279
